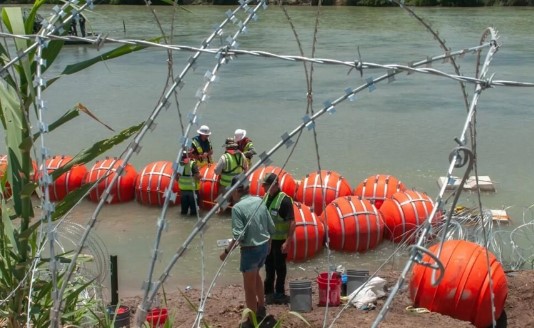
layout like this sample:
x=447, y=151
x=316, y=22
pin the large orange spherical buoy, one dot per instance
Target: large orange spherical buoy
x=318, y=189
x=464, y=292
x=209, y=186
x=122, y=191
x=152, y=183
x=286, y=181
x=354, y=224
x=68, y=181
x=308, y=238
x=376, y=188
x=403, y=213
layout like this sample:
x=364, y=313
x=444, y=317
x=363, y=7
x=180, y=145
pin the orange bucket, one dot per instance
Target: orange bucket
x=329, y=289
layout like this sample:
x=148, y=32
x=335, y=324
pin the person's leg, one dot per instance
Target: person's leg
x=281, y=268
x=269, y=278
x=262, y=311
x=195, y=200
x=281, y=271
x=249, y=284
x=184, y=202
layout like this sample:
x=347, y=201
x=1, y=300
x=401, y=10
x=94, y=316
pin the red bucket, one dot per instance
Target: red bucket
x=157, y=317
x=329, y=289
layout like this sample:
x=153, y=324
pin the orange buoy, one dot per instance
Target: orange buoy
x=68, y=181
x=403, y=213
x=122, y=191
x=376, y=188
x=152, y=183
x=286, y=181
x=354, y=224
x=4, y=167
x=315, y=184
x=464, y=292
x=308, y=238
x=3, y=170
x=209, y=186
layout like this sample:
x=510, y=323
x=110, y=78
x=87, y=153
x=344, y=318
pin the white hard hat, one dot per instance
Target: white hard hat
x=239, y=134
x=205, y=130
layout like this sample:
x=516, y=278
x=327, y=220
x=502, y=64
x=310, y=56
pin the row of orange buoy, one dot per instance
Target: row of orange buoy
x=380, y=206
x=355, y=221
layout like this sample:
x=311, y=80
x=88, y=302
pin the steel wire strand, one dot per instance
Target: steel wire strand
x=204, y=298
x=352, y=64
x=453, y=162
x=286, y=138
x=198, y=318
x=45, y=180
x=405, y=244
x=492, y=35
x=170, y=77
x=441, y=43
x=134, y=147
x=150, y=291
x=309, y=110
x=210, y=78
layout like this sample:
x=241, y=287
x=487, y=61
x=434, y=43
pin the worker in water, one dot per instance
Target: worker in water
x=231, y=163
x=189, y=183
x=245, y=145
x=81, y=20
x=202, y=150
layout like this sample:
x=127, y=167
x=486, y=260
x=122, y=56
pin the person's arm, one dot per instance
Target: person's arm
x=228, y=249
x=286, y=212
x=196, y=172
x=244, y=162
x=249, y=150
x=220, y=165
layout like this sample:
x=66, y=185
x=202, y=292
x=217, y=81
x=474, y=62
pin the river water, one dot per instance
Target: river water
x=405, y=128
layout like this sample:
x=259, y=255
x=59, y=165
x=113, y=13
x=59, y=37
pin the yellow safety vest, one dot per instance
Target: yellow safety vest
x=234, y=166
x=201, y=162
x=187, y=181
x=281, y=226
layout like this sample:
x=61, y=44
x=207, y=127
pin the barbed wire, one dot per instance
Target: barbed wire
x=229, y=53
x=232, y=53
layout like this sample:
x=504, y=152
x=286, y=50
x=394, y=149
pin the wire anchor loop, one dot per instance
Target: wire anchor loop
x=437, y=266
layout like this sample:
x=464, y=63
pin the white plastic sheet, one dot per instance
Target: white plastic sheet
x=366, y=295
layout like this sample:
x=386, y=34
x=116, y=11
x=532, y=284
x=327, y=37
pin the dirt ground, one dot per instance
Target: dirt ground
x=225, y=306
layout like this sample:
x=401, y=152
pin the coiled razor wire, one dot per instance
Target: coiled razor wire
x=308, y=122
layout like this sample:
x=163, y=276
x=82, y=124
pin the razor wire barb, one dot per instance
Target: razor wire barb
x=454, y=159
x=265, y=158
x=308, y=121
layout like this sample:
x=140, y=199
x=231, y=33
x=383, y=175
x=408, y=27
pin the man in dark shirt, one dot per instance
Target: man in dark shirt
x=280, y=207
x=202, y=150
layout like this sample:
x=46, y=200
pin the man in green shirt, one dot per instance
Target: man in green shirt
x=252, y=228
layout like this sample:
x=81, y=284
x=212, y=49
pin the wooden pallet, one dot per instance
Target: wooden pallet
x=484, y=182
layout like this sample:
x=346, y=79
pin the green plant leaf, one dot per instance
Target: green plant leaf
x=9, y=230
x=32, y=14
x=117, y=52
x=14, y=20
